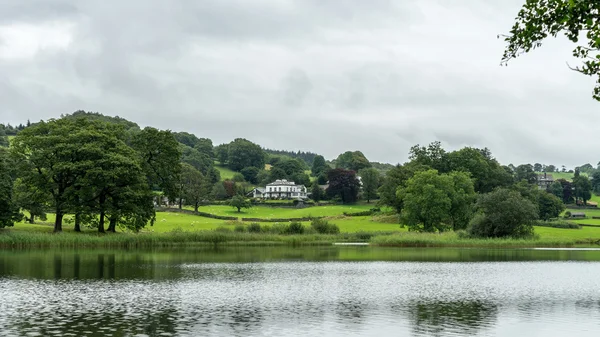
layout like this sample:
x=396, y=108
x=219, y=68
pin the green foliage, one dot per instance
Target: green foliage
x=254, y=227
x=549, y=205
x=437, y=202
x=3, y=138
x=317, y=193
x=251, y=174
x=539, y=19
x=290, y=166
x=295, y=228
x=596, y=182
x=557, y=224
x=194, y=186
x=221, y=152
x=556, y=189
x=323, y=226
x=319, y=166
x=486, y=172
x=239, y=202
x=525, y=172
x=160, y=159
x=370, y=183
x=242, y=153
x=31, y=199
x=433, y=156
x=343, y=184
x=218, y=191
x=276, y=173
x=583, y=188
x=354, y=161
x=9, y=212
x=238, y=178
x=503, y=213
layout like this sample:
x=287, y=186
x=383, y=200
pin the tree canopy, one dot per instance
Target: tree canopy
x=576, y=19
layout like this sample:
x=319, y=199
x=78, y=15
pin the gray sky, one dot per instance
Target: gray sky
x=321, y=75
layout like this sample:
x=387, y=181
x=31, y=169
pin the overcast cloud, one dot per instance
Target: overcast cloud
x=320, y=75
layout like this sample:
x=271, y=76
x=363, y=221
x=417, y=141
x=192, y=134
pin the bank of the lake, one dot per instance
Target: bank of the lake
x=546, y=237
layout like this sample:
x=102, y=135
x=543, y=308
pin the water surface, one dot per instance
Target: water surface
x=281, y=291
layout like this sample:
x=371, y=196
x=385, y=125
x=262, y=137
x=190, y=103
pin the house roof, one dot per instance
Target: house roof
x=282, y=182
x=546, y=177
x=577, y=213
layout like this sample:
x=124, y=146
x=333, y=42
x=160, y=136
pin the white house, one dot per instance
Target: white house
x=281, y=189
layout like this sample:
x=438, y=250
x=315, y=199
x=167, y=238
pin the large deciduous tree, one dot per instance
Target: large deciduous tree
x=437, y=202
x=352, y=160
x=503, y=213
x=579, y=20
x=343, y=184
x=370, y=182
x=243, y=153
x=9, y=212
x=194, y=186
x=160, y=159
x=318, y=166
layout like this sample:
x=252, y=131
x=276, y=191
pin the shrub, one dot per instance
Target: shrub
x=323, y=226
x=567, y=214
x=223, y=229
x=503, y=213
x=254, y=227
x=295, y=228
x=365, y=236
x=239, y=228
x=279, y=228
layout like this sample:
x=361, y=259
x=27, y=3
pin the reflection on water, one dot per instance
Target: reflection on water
x=337, y=291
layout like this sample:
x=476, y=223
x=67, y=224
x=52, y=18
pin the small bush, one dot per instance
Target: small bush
x=323, y=226
x=295, y=228
x=239, y=228
x=223, y=229
x=279, y=228
x=254, y=227
x=567, y=214
x=365, y=236
x=265, y=228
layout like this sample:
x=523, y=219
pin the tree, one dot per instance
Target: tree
x=557, y=190
x=352, y=160
x=205, y=147
x=230, y=188
x=319, y=166
x=218, y=191
x=433, y=156
x=31, y=199
x=437, y=202
x=596, y=182
x=486, y=172
x=250, y=174
x=291, y=166
x=50, y=158
x=549, y=205
x=239, y=202
x=238, y=178
x=195, y=186
x=343, y=184
x=263, y=177
x=243, y=153
x=583, y=189
x=503, y=213
x=199, y=161
x=9, y=212
x=160, y=159
x=539, y=19
x=316, y=193
x=537, y=167
x=370, y=183
x=567, y=191
x=526, y=172
x=221, y=152
x=276, y=173
x=3, y=138
x=550, y=168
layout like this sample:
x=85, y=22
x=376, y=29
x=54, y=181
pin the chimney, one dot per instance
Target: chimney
x=544, y=175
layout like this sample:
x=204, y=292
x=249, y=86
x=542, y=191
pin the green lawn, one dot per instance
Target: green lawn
x=562, y=175
x=272, y=212
x=226, y=173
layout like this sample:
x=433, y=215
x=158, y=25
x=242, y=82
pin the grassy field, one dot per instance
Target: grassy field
x=266, y=212
x=226, y=173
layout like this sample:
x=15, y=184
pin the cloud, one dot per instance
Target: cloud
x=325, y=76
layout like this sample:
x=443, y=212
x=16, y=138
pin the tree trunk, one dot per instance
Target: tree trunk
x=196, y=207
x=58, y=222
x=239, y=209
x=101, y=222
x=180, y=203
x=77, y=222
x=112, y=227
x=31, y=219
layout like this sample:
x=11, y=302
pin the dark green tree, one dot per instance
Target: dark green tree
x=596, y=182
x=160, y=159
x=317, y=193
x=486, y=172
x=537, y=167
x=557, y=190
x=503, y=213
x=276, y=173
x=221, y=152
x=526, y=172
x=32, y=200
x=343, y=184
x=539, y=19
x=3, y=138
x=319, y=165
x=239, y=202
x=583, y=189
x=250, y=174
x=352, y=160
x=370, y=183
x=9, y=212
x=433, y=156
x=194, y=186
x=243, y=153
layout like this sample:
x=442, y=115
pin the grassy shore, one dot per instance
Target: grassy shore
x=42, y=237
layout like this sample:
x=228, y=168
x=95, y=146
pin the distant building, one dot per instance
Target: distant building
x=544, y=180
x=281, y=189
x=577, y=215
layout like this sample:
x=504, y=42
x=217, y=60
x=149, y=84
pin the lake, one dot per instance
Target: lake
x=309, y=291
